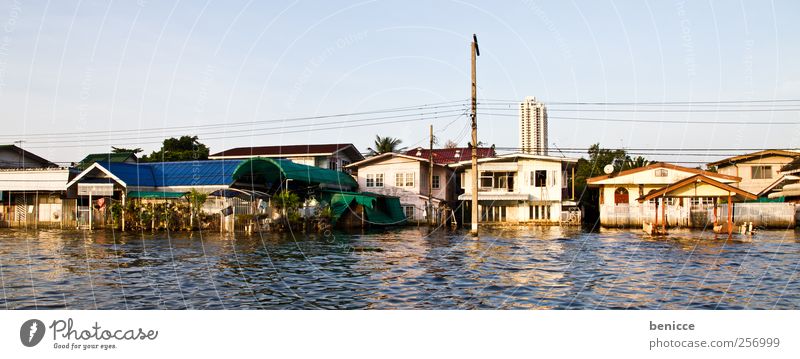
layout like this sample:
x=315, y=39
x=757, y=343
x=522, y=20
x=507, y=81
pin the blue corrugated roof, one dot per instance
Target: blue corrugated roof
x=165, y=174
x=194, y=173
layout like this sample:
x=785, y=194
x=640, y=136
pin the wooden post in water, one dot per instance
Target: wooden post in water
x=715, y=212
x=91, y=210
x=730, y=216
x=123, y=211
x=655, y=221
x=664, y=215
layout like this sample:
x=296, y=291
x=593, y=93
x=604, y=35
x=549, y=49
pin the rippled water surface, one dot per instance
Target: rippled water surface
x=401, y=268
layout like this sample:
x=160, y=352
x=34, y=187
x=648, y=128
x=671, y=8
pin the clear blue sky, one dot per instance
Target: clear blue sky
x=90, y=66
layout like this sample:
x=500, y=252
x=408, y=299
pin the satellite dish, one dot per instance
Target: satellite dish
x=608, y=169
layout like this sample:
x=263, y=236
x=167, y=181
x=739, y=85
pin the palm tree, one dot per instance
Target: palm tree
x=385, y=145
x=636, y=162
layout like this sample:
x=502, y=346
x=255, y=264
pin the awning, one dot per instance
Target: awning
x=271, y=170
x=488, y=196
x=239, y=193
x=155, y=194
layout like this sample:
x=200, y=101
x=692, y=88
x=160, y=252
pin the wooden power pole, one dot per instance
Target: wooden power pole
x=474, y=53
x=430, y=180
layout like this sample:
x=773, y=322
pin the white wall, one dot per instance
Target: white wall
x=409, y=196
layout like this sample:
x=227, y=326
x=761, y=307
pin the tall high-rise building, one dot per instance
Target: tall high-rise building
x=533, y=127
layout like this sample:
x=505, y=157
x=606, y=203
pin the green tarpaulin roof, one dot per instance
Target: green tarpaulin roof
x=379, y=209
x=155, y=194
x=105, y=157
x=273, y=170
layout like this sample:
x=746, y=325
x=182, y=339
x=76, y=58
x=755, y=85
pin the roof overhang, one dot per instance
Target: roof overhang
x=678, y=189
x=747, y=156
x=515, y=156
x=88, y=170
x=494, y=196
x=387, y=155
x=595, y=181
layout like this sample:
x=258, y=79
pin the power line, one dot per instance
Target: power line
x=443, y=105
x=682, y=122
x=259, y=131
x=251, y=134
x=651, y=102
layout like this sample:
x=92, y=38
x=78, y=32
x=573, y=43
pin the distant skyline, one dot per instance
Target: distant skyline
x=90, y=66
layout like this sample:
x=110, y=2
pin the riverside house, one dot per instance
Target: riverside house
x=237, y=186
x=669, y=195
x=406, y=176
x=521, y=188
x=33, y=191
x=759, y=171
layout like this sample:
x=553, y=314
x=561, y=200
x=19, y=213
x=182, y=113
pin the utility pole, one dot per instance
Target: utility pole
x=474, y=54
x=430, y=180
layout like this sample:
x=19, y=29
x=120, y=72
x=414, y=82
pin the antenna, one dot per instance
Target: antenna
x=559, y=150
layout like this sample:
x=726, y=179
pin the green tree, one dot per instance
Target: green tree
x=385, y=145
x=185, y=148
x=636, y=162
x=196, y=200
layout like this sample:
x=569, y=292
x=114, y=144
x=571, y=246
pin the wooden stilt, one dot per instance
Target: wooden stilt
x=655, y=221
x=730, y=216
x=664, y=215
x=715, y=212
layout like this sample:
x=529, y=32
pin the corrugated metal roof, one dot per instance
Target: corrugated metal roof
x=451, y=155
x=165, y=174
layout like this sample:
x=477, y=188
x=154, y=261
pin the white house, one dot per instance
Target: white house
x=759, y=171
x=620, y=193
x=35, y=197
x=405, y=176
x=522, y=188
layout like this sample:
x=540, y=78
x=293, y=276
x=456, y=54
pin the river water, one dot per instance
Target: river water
x=405, y=268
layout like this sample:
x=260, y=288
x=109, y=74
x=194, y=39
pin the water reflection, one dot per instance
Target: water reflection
x=540, y=268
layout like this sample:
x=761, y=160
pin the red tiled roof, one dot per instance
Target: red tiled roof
x=289, y=150
x=447, y=156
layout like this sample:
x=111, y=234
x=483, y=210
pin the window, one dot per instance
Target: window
x=539, y=178
x=497, y=180
x=410, y=179
x=761, y=172
x=375, y=180
x=435, y=184
x=409, y=211
x=344, y=164
x=332, y=164
x=404, y=179
x=486, y=180
x=701, y=201
x=661, y=172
